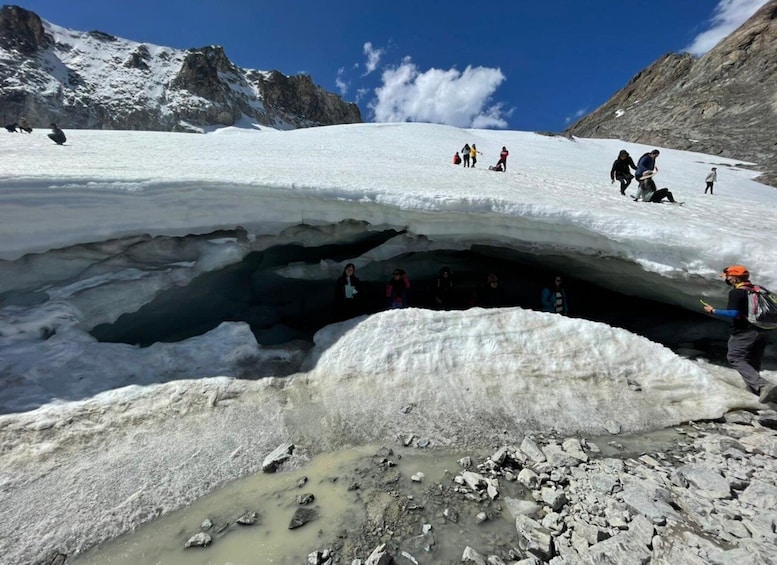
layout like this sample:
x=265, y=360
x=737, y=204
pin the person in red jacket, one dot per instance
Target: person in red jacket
x=396, y=289
x=457, y=159
x=503, y=158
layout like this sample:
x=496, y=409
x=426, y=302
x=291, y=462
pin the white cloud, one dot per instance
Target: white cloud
x=373, y=57
x=340, y=82
x=728, y=15
x=579, y=114
x=446, y=97
x=361, y=93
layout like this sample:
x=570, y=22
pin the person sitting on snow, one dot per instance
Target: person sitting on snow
x=57, y=135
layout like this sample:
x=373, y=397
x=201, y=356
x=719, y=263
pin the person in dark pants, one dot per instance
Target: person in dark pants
x=621, y=170
x=503, y=158
x=554, y=298
x=747, y=342
x=465, y=154
x=57, y=135
x=646, y=169
x=443, y=289
x=710, y=180
x=347, y=297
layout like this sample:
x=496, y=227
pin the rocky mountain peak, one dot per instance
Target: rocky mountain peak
x=96, y=80
x=722, y=103
x=22, y=31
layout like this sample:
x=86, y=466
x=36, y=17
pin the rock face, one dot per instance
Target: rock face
x=97, y=81
x=722, y=103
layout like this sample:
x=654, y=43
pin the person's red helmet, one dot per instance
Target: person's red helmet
x=736, y=271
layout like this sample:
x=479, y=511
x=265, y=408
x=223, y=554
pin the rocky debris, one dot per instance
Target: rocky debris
x=720, y=103
x=305, y=499
x=709, y=498
x=277, y=456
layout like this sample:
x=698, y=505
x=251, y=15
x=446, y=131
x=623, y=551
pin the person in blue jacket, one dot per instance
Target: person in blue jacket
x=747, y=343
x=554, y=298
x=646, y=168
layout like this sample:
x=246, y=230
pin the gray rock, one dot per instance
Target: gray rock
x=709, y=481
x=200, y=539
x=277, y=456
x=534, y=538
x=472, y=556
x=301, y=517
x=247, y=519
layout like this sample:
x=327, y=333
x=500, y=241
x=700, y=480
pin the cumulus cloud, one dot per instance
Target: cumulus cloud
x=373, y=57
x=461, y=99
x=728, y=15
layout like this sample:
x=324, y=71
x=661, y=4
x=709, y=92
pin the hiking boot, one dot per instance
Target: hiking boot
x=768, y=394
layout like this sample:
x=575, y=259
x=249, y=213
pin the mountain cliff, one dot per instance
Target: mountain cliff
x=97, y=81
x=723, y=103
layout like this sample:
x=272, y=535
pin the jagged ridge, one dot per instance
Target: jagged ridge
x=97, y=81
x=722, y=103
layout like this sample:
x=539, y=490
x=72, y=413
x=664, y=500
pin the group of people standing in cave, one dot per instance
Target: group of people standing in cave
x=349, y=293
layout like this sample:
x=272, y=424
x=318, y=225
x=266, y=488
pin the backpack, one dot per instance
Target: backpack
x=761, y=307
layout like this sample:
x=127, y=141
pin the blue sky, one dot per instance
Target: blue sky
x=516, y=64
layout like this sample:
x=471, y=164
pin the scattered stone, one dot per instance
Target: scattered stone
x=305, y=499
x=277, y=456
x=472, y=556
x=247, y=519
x=301, y=517
x=417, y=478
x=302, y=482
x=612, y=427
x=451, y=515
x=198, y=540
x=207, y=524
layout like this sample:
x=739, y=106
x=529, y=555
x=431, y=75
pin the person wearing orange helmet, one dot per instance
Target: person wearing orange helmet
x=747, y=342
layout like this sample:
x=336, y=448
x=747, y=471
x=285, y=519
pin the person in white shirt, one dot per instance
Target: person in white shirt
x=710, y=180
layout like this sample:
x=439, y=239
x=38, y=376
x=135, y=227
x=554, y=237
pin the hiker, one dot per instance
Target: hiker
x=747, y=342
x=554, y=298
x=456, y=159
x=491, y=295
x=443, y=289
x=502, y=159
x=648, y=193
x=473, y=155
x=621, y=170
x=347, y=298
x=24, y=125
x=646, y=168
x=57, y=135
x=396, y=289
x=710, y=180
x=465, y=154
x=497, y=167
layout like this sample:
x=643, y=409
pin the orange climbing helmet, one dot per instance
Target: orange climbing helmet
x=736, y=271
